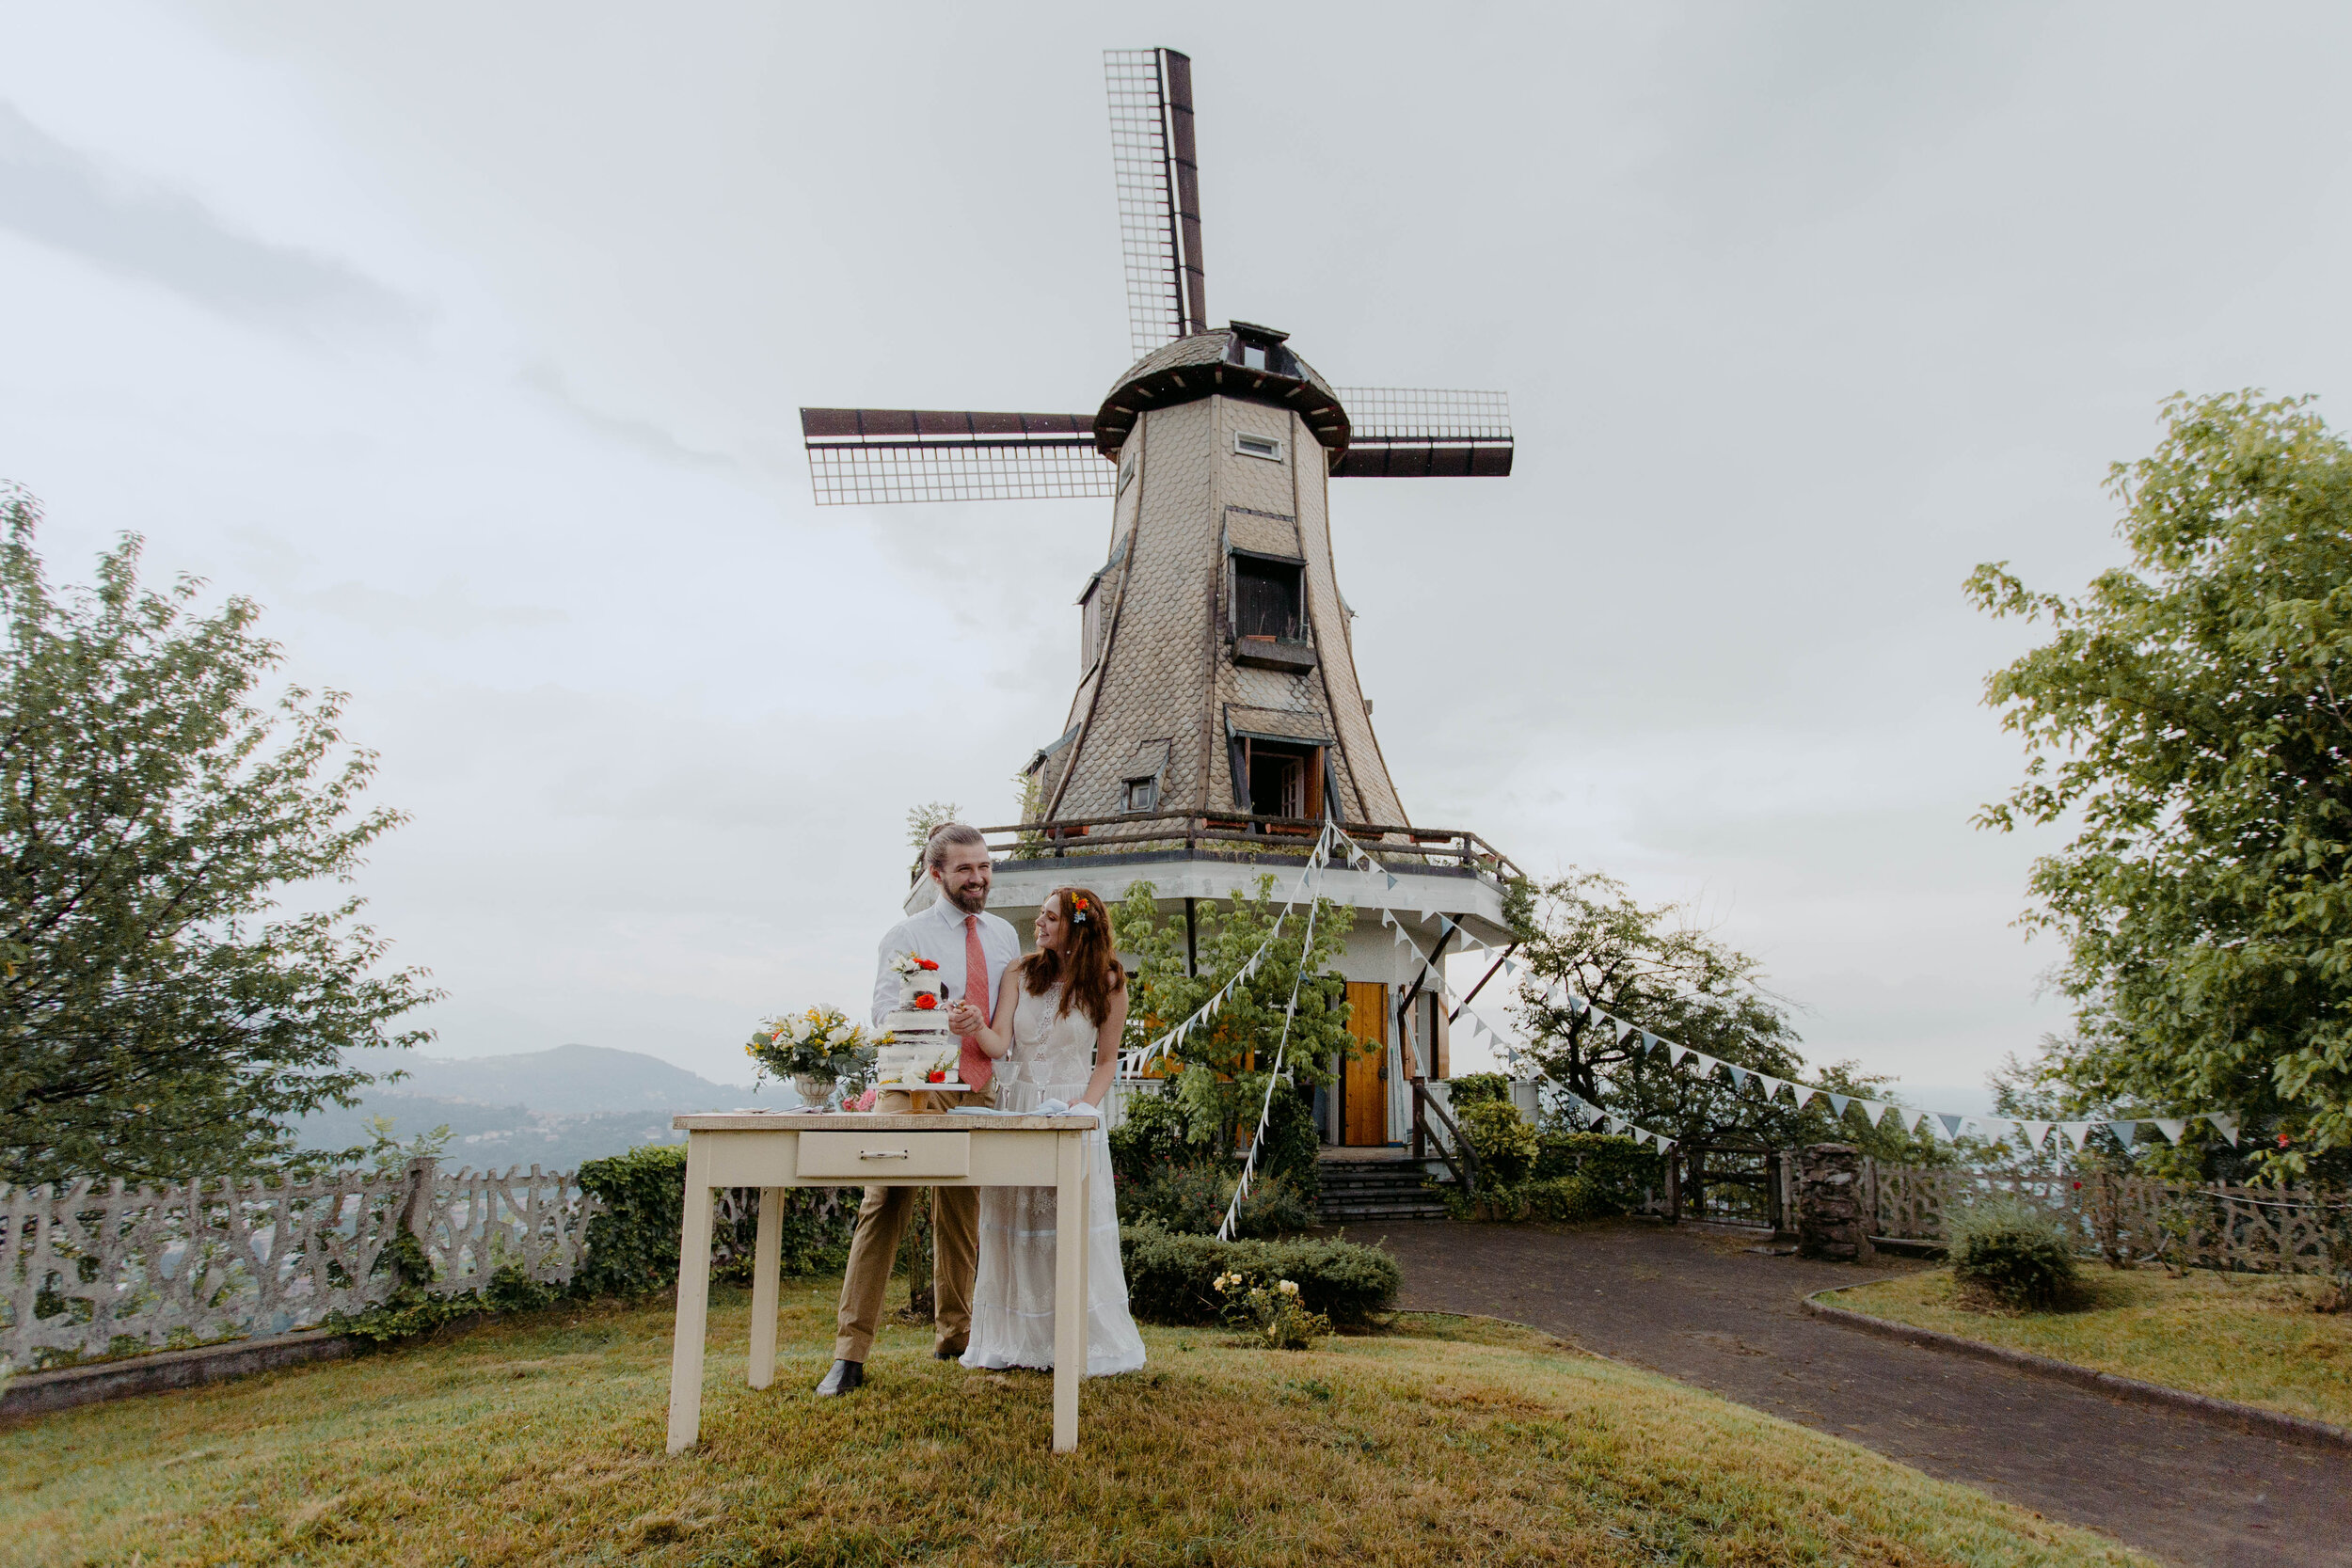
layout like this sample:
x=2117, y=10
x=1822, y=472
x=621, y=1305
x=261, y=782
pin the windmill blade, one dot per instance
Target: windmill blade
x=1423, y=433
x=863, y=456
x=1158, y=177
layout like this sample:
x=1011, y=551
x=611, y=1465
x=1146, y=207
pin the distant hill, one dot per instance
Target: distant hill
x=550, y=1108
x=570, y=1079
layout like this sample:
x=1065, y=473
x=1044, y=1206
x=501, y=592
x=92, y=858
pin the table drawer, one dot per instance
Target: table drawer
x=884, y=1156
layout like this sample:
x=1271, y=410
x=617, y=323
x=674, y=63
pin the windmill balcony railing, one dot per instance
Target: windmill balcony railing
x=1247, y=836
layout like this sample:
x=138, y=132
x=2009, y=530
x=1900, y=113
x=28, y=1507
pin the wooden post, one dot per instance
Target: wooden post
x=1673, y=1187
x=767, y=1263
x=694, y=1299
x=1072, y=1222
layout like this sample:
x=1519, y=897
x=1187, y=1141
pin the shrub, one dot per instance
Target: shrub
x=1473, y=1088
x=1270, y=1309
x=1619, y=1169
x=2012, y=1251
x=1151, y=1138
x=1561, y=1200
x=1504, y=1143
x=1169, y=1275
x=633, y=1247
x=1192, y=1198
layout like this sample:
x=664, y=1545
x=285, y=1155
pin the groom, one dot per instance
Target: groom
x=973, y=948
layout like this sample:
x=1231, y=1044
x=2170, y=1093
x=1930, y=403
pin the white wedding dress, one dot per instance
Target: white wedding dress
x=1012, y=1301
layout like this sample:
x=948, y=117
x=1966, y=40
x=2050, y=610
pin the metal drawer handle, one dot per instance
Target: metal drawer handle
x=881, y=1153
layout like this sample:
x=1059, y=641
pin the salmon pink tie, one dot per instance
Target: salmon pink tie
x=973, y=1066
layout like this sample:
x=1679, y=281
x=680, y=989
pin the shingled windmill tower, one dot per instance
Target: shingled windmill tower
x=1218, y=719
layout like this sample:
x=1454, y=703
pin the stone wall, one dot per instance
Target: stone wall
x=1833, y=1213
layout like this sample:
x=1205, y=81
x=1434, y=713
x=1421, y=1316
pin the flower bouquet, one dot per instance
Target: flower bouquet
x=820, y=1051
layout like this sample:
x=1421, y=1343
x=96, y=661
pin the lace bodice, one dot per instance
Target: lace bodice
x=1053, y=1052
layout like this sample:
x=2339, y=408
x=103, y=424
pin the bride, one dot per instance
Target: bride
x=1056, y=1029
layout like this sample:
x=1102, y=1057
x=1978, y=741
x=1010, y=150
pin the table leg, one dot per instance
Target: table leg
x=1072, y=1219
x=694, y=1299
x=766, y=1258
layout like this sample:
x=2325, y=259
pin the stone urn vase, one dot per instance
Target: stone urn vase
x=815, y=1090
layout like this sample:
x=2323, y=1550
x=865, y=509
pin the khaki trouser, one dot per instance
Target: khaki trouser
x=882, y=1221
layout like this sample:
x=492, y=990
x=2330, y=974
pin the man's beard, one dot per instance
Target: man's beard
x=970, y=900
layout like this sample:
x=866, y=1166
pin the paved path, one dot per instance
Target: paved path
x=1704, y=1309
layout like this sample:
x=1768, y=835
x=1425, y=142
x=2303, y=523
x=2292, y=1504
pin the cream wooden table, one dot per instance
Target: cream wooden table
x=870, y=1149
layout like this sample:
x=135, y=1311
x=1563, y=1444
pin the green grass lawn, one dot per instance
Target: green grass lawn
x=2246, y=1337
x=539, y=1439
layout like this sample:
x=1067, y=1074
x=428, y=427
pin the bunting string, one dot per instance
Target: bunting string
x=1947, y=1125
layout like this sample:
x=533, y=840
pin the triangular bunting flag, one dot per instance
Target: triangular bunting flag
x=2171, y=1127
x=2076, y=1132
x=2035, y=1131
x=1771, y=1085
x=2123, y=1131
x=1950, y=1124
x=1650, y=1042
x=1740, y=1075
x=1625, y=1031
x=2226, y=1125
x=1391, y=877
x=1837, y=1103
x=1510, y=968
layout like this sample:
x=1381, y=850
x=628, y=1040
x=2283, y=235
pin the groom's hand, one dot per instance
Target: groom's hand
x=964, y=1019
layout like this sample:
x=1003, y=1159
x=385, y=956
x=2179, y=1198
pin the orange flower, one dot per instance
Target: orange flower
x=926, y=1002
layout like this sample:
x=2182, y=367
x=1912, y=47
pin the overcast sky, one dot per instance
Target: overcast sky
x=469, y=340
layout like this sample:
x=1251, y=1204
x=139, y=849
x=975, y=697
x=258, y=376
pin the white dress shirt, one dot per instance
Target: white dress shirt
x=937, y=934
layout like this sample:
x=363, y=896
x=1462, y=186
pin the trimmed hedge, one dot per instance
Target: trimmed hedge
x=1618, y=1168
x=1194, y=1198
x=633, y=1247
x=1169, y=1275
x=2012, y=1251
x=1562, y=1200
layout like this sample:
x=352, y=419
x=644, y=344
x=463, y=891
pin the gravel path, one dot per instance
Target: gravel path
x=1703, y=1308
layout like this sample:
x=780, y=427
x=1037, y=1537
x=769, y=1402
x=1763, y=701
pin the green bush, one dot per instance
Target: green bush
x=1619, y=1168
x=1192, y=1199
x=1473, y=1088
x=633, y=1247
x=1504, y=1143
x=1150, y=1139
x=1170, y=1276
x=2012, y=1251
x=1559, y=1199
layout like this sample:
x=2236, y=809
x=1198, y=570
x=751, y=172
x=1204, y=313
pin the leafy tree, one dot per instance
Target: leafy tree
x=1221, y=1067
x=2188, y=716
x=162, y=1016
x=1651, y=966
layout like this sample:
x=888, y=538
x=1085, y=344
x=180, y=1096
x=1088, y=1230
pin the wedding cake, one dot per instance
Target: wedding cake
x=917, y=1051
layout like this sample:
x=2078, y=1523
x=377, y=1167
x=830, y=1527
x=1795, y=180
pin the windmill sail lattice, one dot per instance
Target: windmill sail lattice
x=1158, y=176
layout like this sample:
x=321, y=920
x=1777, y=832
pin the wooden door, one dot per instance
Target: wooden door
x=1364, y=1078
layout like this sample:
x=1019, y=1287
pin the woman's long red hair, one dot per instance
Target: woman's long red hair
x=1090, y=966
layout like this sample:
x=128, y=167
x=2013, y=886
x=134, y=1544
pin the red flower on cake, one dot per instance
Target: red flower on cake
x=935, y=1076
x=926, y=1002
x=926, y=963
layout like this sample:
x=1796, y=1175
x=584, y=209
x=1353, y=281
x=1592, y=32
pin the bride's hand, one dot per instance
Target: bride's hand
x=964, y=1019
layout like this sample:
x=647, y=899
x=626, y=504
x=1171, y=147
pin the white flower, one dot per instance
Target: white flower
x=1290, y=1287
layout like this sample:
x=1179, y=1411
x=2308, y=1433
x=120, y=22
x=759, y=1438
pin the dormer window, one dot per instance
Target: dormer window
x=1253, y=357
x=1267, y=446
x=1260, y=348
x=1140, y=795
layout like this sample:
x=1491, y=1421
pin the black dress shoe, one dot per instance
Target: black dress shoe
x=943, y=1354
x=845, y=1376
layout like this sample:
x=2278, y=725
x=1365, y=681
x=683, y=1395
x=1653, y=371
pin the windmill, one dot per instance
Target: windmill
x=1218, y=720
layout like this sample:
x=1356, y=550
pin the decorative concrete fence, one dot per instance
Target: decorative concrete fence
x=100, y=1269
x=2130, y=1218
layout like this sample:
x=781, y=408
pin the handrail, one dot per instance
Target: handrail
x=1277, y=834
x=1424, y=1100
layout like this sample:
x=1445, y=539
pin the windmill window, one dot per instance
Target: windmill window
x=1126, y=475
x=1253, y=355
x=1267, y=446
x=1266, y=598
x=1141, y=795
